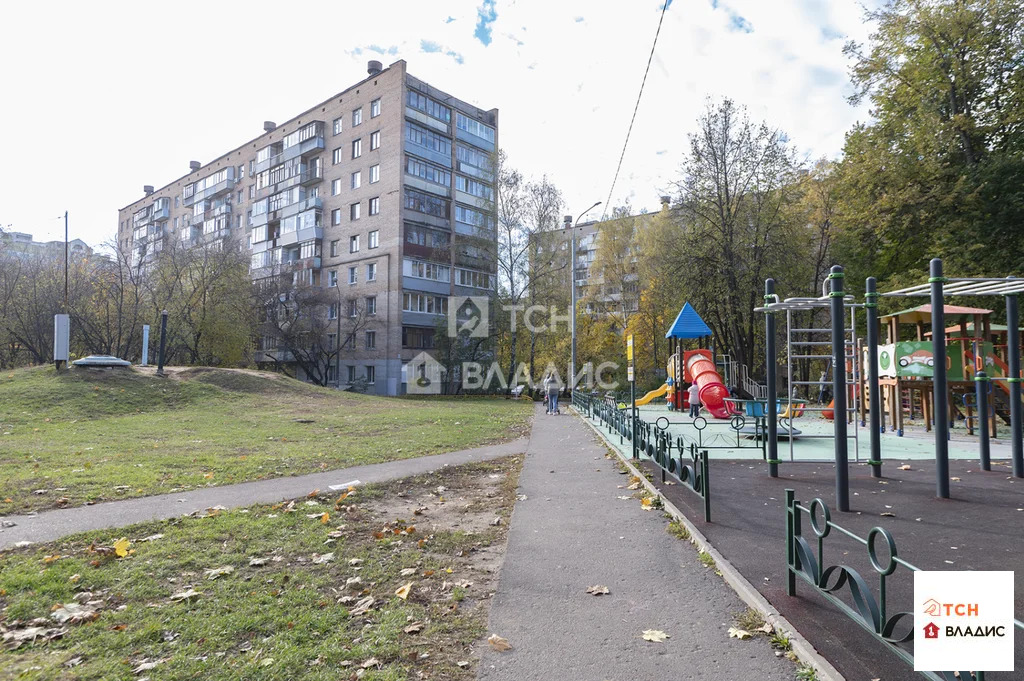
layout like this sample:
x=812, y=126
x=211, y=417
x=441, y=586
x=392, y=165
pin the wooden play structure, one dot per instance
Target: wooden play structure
x=906, y=367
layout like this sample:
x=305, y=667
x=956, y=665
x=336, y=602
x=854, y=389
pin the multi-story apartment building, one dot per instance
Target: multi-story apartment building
x=383, y=193
x=22, y=245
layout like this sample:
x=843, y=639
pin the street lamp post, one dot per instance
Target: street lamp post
x=569, y=224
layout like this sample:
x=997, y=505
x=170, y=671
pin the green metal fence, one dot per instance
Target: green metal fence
x=872, y=612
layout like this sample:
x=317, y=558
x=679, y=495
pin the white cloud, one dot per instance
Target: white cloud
x=97, y=104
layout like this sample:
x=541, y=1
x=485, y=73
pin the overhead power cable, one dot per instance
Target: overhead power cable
x=661, y=18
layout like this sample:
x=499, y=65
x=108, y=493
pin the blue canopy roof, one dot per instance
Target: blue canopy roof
x=688, y=324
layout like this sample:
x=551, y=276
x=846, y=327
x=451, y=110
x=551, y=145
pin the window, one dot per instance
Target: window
x=354, y=211
x=334, y=248
x=332, y=311
x=332, y=278
x=175, y=223
x=417, y=338
x=336, y=156
x=473, y=217
x=335, y=187
x=375, y=205
x=252, y=191
x=238, y=199
x=332, y=338
x=425, y=303
x=353, y=244
x=336, y=216
x=474, y=127
x=353, y=307
x=371, y=342
x=426, y=203
x=337, y=126
x=426, y=270
x=175, y=204
x=357, y=180
x=241, y=172
x=351, y=373
x=428, y=172
x=375, y=140
x=374, y=174
x=357, y=117
x=351, y=275
x=371, y=272
x=472, y=278
x=371, y=305
x=357, y=148
x=422, y=236
x=428, y=106
x=332, y=373
x=371, y=374
x=464, y=184
x=427, y=139
x=375, y=108
x=373, y=239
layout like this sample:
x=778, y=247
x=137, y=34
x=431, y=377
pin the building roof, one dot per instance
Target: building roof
x=688, y=324
x=923, y=313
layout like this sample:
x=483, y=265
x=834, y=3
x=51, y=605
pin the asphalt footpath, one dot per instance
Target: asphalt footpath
x=52, y=525
x=572, y=531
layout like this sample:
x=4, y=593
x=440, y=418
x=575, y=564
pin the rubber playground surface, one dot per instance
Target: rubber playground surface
x=978, y=529
x=916, y=443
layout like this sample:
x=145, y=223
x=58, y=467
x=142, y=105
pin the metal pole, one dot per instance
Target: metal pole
x=1013, y=360
x=572, y=298
x=981, y=392
x=772, y=425
x=65, y=261
x=163, y=343
x=839, y=387
x=874, y=399
x=145, y=345
x=940, y=408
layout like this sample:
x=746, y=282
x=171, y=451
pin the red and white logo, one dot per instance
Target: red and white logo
x=931, y=630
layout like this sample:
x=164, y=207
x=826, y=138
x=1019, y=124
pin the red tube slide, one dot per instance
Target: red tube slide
x=711, y=390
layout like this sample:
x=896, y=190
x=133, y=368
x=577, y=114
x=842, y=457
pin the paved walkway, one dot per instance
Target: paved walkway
x=51, y=525
x=572, y=532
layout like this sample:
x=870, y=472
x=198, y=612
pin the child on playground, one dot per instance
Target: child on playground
x=694, y=394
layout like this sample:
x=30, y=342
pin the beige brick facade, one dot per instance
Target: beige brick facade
x=237, y=208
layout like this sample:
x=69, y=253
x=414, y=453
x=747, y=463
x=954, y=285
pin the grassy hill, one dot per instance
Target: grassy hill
x=87, y=436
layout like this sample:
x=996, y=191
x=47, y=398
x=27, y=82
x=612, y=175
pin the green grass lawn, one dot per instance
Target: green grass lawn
x=87, y=436
x=280, y=607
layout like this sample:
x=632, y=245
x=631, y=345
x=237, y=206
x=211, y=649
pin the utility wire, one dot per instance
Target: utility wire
x=607, y=203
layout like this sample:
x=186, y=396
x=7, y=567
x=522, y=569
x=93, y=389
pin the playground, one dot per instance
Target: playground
x=920, y=447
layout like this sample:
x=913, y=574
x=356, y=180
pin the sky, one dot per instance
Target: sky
x=99, y=99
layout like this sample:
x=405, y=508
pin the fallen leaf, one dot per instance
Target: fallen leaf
x=121, y=547
x=208, y=476
x=498, y=643
x=74, y=613
x=905, y=467
x=598, y=589
x=313, y=493
x=266, y=662
x=741, y=634
x=363, y=606
x=74, y=578
x=185, y=595
x=325, y=518
x=214, y=573
x=152, y=537
x=323, y=558
x=888, y=514
x=646, y=502
x=403, y=591
x=13, y=640
x=955, y=479
x=407, y=571
x=656, y=636
x=414, y=628
x=766, y=628
x=257, y=562
x=372, y=662
x=146, y=665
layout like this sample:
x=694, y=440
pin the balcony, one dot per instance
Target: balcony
x=311, y=175
x=286, y=211
x=216, y=190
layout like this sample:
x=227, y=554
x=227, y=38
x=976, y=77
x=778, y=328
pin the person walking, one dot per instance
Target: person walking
x=822, y=387
x=552, y=386
x=694, y=395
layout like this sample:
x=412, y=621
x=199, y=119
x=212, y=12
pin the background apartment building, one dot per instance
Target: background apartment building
x=382, y=193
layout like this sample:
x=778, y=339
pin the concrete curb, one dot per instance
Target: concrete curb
x=743, y=588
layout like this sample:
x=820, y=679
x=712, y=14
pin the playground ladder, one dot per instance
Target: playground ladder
x=850, y=378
